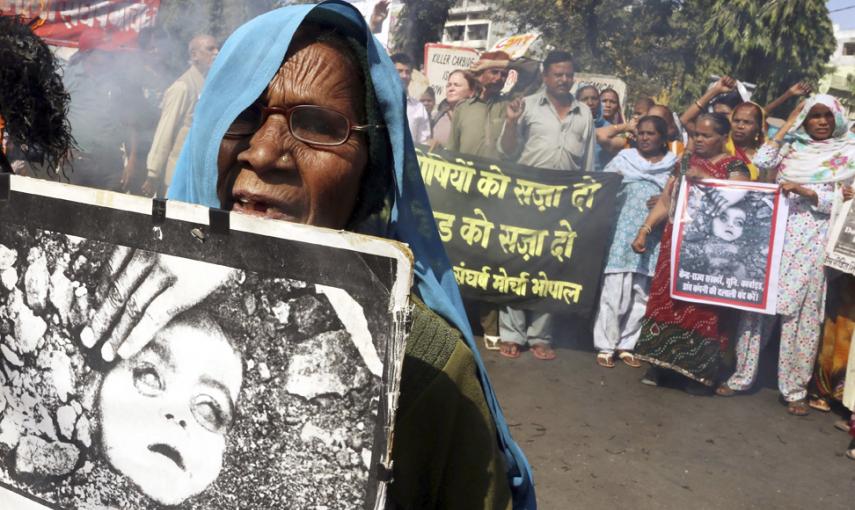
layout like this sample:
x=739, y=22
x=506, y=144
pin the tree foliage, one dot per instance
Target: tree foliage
x=421, y=21
x=669, y=48
x=773, y=43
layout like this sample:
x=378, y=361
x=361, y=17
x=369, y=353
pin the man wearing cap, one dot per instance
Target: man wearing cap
x=478, y=122
x=548, y=129
x=475, y=129
x=176, y=115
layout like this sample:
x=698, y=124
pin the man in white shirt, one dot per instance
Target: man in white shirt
x=417, y=116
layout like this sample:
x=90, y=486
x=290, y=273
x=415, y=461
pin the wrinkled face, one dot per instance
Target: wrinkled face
x=610, y=104
x=204, y=52
x=457, y=89
x=166, y=411
x=405, y=72
x=744, y=126
x=558, y=79
x=819, y=123
x=591, y=97
x=493, y=80
x=708, y=143
x=648, y=140
x=729, y=224
x=274, y=175
x=428, y=101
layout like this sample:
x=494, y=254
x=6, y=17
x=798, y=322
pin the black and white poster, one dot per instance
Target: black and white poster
x=840, y=250
x=726, y=244
x=191, y=358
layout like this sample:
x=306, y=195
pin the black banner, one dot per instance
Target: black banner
x=530, y=237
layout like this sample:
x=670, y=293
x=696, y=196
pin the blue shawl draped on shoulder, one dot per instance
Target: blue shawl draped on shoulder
x=247, y=62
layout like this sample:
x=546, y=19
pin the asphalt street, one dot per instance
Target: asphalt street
x=598, y=438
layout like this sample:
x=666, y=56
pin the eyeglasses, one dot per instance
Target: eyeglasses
x=314, y=125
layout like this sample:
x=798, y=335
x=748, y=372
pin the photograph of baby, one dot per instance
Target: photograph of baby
x=263, y=392
x=724, y=248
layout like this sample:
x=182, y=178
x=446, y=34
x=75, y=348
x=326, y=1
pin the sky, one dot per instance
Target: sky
x=846, y=19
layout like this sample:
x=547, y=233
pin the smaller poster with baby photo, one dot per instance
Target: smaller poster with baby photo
x=840, y=250
x=726, y=244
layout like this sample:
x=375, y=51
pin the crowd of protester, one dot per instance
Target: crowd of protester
x=704, y=349
x=559, y=124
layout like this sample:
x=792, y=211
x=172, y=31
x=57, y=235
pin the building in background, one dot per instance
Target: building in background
x=469, y=25
x=841, y=82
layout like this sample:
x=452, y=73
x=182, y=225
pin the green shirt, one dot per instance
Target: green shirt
x=476, y=126
x=445, y=454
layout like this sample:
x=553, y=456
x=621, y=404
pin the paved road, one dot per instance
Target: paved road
x=597, y=438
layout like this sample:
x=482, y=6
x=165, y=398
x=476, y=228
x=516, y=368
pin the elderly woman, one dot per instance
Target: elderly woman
x=302, y=119
x=815, y=170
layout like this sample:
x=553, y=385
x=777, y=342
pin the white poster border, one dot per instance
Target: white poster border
x=779, y=214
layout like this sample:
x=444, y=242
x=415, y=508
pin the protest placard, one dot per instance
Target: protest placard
x=441, y=60
x=272, y=385
x=528, y=237
x=516, y=45
x=840, y=248
x=602, y=82
x=64, y=21
x=726, y=244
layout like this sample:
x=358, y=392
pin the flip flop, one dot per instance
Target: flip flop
x=629, y=359
x=798, y=408
x=842, y=425
x=543, y=352
x=605, y=360
x=509, y=350
x=725, y=391
x=820, y=404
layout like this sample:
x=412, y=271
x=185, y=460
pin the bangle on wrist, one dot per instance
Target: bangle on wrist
x=699, y=105
x=647, y=229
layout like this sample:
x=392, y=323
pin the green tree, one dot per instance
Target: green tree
x=773, y=43
x=421, y=22
x=671, y=47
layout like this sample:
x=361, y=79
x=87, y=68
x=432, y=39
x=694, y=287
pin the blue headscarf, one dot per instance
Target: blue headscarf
x=247, y=62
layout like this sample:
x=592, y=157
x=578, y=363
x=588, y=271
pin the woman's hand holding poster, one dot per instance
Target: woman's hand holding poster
x=727, y=243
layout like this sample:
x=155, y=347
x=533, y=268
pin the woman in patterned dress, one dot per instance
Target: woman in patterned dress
x=645, y=172
x=814, y=170
x=677, y=335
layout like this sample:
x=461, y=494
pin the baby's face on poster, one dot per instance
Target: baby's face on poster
x=165, y=412
x=728, y=225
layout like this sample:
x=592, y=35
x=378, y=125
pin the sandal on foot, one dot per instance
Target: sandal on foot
x=542, y=352
x=798, y=408
x=820, y=404
x=509, y=350
x=605, y=360
x=842, y=425
x=725, y=391
x=629, y=359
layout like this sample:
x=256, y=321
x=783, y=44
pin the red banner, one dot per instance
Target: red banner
x=101, y=24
